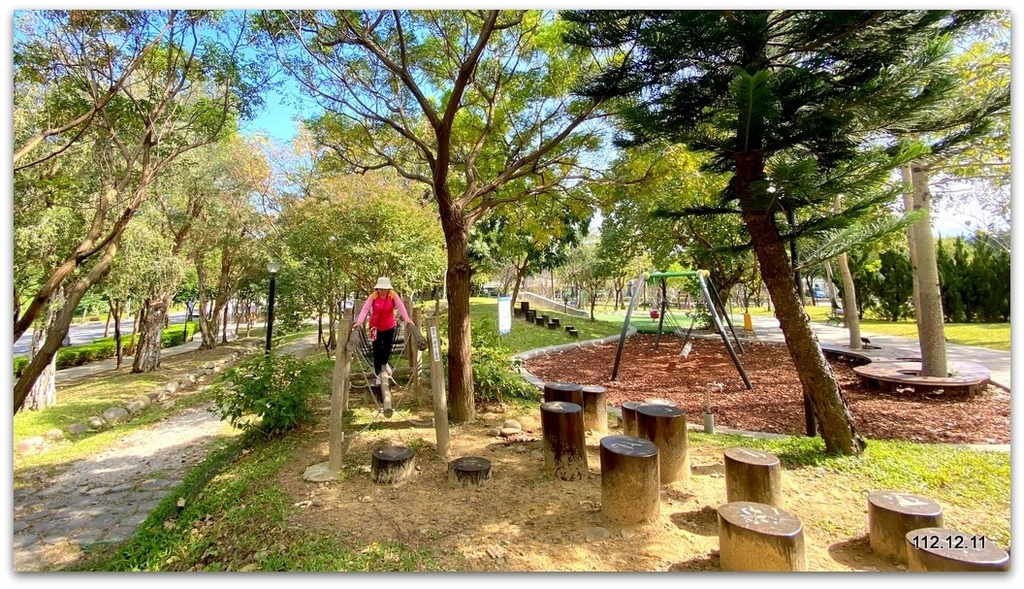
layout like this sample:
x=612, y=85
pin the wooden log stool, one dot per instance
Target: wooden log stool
x=752, y=475
x=758, y=537
x=565, y=446
x=892, y=515
x=595, y=408
x=517, y=312
x=542, y=320
x=391, y=464
x=574, y=334
x=942, y=549
x=471, y=470
x=569, y=328
x=628, y=418
x=531, y=315
x=554, y=323
x=665, y=425
x=563, y=391
x=630, y=483
x=524, y=306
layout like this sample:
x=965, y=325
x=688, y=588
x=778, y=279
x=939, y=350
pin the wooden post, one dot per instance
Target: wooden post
x=413, y=352
x=630, y=483
x=437, y=386
x=665, y=426
x=757, y=537
x=753, y=475
x=565, y=446
x=569, y=392
x=339, y=396
x=595, y=409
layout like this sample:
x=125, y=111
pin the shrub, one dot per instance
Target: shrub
x=494, y=376
x=271, y=396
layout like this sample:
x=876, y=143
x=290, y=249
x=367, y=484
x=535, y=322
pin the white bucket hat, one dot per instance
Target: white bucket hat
x=384, y=283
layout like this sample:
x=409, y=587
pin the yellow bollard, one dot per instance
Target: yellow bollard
x=748, y=323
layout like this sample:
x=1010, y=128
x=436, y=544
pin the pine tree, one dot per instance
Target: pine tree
x=754, y=87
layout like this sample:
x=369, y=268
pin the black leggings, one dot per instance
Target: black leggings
x=382, y=349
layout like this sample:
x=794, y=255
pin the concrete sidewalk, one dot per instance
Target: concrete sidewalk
x=889, y=347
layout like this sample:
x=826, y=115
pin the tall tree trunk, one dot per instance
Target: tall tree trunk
x=43, y=393
x=816, y=377
x=115, y=307
x=457, y=280
x=133, y=340
x=520, y=274
x=931, y=332
x=224, y=322
x=147, y=354
x=59, y=327
x=106, y=326
x=851, y=318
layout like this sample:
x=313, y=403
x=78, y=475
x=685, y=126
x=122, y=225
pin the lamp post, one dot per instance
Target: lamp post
x=272, y=267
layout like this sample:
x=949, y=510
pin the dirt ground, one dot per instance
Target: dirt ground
x=524, y=519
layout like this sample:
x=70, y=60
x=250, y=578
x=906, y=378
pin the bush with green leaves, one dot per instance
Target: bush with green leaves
x=272, y=393
x=494, y=375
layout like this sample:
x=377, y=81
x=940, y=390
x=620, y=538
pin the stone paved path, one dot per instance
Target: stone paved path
x=106, y=497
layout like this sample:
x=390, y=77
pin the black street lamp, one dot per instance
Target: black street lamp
x=272, y=267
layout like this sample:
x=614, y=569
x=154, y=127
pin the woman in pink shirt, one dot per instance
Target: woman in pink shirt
x=381, y=306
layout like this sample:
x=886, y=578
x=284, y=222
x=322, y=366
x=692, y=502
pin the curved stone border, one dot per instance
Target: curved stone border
x=520, y=359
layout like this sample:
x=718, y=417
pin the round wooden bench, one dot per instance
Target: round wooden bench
x=963, y=376
x=630, y=483
x=942, y=549
x=752, y=475
x=758, y=537
x=892, y=515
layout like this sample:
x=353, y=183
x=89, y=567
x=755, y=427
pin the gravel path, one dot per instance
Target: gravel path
x=103, y=499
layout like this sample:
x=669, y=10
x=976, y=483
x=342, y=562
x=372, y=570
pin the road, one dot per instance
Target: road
x=87, y=332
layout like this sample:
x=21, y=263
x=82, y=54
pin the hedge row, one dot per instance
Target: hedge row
x=104, y=348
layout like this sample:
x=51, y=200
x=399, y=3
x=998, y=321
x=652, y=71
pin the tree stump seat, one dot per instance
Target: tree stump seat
x=627, y=417
x=563, y=391
x=574, y=333
x=752, y=475
x=470, y=470
x=943, y=549
x=564, y=440
x=630, y=481
x=963, y=377
x=569, y=328
x=595, y=408
x=391, y=464
x=665, y=426
x=554, y=323
x=891, y=516
x=757, y=537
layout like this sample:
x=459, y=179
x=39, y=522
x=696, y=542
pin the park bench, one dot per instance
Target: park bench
x=835, y=317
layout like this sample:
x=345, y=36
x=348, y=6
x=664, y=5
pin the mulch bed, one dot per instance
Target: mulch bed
x=775, y=404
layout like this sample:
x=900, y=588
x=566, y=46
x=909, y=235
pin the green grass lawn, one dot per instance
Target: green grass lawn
x=995, y=336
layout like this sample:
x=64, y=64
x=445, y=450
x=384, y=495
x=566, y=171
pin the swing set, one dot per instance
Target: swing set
x=710, y=296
